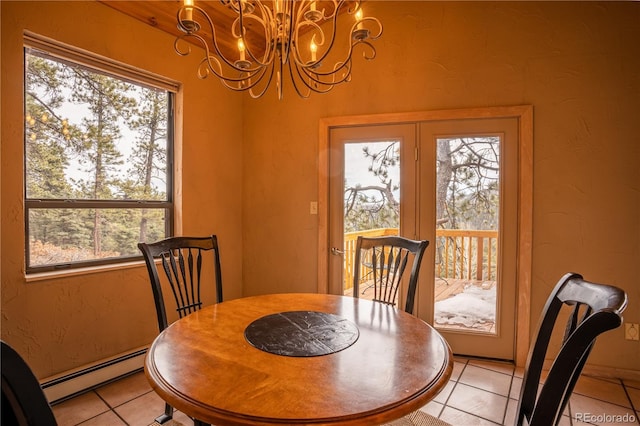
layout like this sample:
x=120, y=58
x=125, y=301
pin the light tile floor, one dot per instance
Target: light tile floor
x=479, y=393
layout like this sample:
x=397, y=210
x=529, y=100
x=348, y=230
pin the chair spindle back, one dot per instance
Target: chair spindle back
x=182, y=261
x=380, y=262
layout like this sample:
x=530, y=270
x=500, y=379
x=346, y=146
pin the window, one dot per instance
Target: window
x=98, y=158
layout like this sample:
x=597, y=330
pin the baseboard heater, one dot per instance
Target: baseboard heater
x=67, y=385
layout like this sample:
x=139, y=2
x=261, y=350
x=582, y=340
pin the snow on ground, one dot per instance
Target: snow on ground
x=471, y=307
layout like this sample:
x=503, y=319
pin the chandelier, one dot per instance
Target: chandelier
x=264, y=40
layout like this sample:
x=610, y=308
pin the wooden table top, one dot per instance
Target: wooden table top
x=204, y=366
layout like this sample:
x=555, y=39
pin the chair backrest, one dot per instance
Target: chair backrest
x=23, y=401
x=181, y=259
x=594, y=309
x=380, y=262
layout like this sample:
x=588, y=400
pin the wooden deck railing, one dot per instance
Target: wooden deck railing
x=350, y=249
x=466, y=254
x=460, y=254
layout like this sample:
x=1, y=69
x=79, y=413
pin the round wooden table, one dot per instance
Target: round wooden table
x=204, y=366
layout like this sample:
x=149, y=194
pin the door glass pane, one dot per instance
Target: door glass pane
x=467, y=223
x=371, y=199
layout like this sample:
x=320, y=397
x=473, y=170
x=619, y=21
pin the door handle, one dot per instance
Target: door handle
x=336, y=252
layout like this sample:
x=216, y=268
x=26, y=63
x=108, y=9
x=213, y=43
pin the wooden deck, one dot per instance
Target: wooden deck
x=444, y=289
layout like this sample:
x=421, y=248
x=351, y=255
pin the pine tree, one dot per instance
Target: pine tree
x=148, y=160
x=107, y=101
x=374, y=206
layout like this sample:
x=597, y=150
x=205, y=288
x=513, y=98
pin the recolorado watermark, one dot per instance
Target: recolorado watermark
x=605, y=418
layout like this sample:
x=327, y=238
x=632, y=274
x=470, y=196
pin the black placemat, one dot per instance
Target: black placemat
x=302, y=333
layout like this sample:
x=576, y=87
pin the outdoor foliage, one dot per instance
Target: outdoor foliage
x=96, y=161
x=467, y=187
x=375, y=205
x=467, y=182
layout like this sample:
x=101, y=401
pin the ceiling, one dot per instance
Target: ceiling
x=163, y=15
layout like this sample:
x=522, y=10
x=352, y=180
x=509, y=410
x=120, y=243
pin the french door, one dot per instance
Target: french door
x=467, y=209
x=367, y=166
x=456, y=186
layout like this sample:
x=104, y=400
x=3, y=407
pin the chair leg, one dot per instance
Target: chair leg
x=168, y=414
x=197, y=422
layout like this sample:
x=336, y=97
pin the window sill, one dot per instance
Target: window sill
x=50, y=275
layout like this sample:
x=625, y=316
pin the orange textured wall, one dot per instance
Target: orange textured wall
x=68, y=322
x=577, y=63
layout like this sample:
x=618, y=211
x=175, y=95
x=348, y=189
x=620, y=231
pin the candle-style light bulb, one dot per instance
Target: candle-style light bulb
x=359, y=16
x=188, y=4
x=241, y=49
x=313, y=47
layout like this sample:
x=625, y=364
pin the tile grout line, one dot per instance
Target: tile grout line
x=126, y=402
x=633, y=408
x=506, y=407
x=444, y=404
x=99, y=414
x=466, y=364
x=626, y=392
x=112, y=409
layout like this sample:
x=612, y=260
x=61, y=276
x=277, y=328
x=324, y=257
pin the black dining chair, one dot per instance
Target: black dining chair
x=382, y=261
x=23, y=401
x=181, y=260
x=593, y=309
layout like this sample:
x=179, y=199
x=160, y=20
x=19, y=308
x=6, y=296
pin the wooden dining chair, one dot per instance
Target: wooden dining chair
x=23, y=401
x=182, y=260
x=593, y=309
x=382, y=261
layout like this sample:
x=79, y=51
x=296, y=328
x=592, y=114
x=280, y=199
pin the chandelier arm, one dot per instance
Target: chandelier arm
x=334, y=29
x=339, y=65
x=377, y=23
x=326, y=16
x=334, y=21
x=373, y=51
x=319, y=78
x=317, y=31
x=214, y=65
x=288, y=29
x=191, y=32
x=177, y=48
x=266, y=86
x=244, y=83
x=230, y=4
x=295, y=83
x=269, y=52
x=315, y=85
x=352, y=34
x=247, y=76
x=211, y=64
x=336, y=67
x=191, y=27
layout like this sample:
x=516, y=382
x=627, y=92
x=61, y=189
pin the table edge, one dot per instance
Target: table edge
x=388, y=413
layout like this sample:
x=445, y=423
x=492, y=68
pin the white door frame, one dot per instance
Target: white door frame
x=524, y=115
